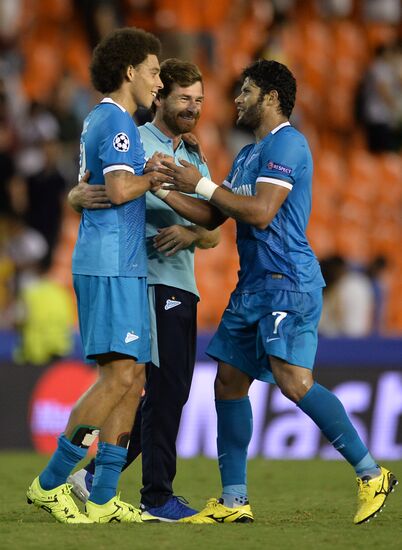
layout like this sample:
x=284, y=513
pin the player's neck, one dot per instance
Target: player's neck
x=124, y=100
x=162, y=126
x=267, y=125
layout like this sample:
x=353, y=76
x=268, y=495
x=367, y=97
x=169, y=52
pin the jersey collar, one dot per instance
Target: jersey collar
x=157, y=133
x=110, y=100
x=160, y=135
x=287, y=123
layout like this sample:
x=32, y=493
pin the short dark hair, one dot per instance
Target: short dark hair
x=176, y=71
x=271, y=75
x=117, y=51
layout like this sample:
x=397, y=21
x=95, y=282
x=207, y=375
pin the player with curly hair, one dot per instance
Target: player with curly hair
x=109, y=272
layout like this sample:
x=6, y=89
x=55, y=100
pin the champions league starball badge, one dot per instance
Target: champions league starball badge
x=121, y=142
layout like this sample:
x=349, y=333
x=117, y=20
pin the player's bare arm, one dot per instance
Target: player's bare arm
x=197, y=211
x=123, y=186
x=258, y=210
x=92, y=197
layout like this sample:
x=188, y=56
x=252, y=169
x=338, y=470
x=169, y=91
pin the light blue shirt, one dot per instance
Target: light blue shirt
x=178, y=270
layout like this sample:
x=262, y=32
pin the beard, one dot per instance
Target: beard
x=177, y=124
x=251, y=118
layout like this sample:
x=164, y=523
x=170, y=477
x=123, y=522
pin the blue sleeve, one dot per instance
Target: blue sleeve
x=120, y=147
x=282, y=160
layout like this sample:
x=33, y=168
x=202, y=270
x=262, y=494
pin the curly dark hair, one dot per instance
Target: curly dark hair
x=117, y=51
x=270, y=75
x=176, y=71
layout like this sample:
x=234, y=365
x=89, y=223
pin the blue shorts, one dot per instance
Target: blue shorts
x=113, y=316
x=280, y=323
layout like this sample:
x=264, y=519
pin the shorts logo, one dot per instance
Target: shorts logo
x=121, y=142
x=130, y=337
x=171, y=303
x=279, y=167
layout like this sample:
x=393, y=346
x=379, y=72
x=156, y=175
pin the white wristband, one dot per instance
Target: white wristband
x=206, y=188
x=161, y=193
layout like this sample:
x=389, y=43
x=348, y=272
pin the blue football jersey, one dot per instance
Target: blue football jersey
x=111, y=242
x=278, y=257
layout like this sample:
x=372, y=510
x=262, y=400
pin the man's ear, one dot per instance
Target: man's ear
x=157, y=101
x=130, y=73
x=271, y=97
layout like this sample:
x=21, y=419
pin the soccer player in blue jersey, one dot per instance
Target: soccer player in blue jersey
x=172, y=296
x=109, y=271
x=269, y=329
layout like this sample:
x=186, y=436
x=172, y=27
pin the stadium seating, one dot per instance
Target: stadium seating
x=357, y=196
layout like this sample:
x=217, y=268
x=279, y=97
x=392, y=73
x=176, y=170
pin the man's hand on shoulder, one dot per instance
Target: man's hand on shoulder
x=88, y=196
x=192, y=143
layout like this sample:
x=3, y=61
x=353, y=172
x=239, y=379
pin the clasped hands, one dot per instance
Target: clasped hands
x=183, y=177
x=168, y=175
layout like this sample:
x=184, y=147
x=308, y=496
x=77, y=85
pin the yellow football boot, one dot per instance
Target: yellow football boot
x=58, y=502
x=215, y=512
x=372, y=494
x=113, y=510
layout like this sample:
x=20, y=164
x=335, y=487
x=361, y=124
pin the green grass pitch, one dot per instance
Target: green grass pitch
x=297, y=505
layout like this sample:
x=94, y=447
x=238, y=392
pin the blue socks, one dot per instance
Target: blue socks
x=64, y=460
x=367, y=467
x=109, y=462
x=328, y=413
x=235, y=428
x=234, y=495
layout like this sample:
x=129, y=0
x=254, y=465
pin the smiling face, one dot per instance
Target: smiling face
x=249, y=105
x=146, y=81
x=181, y=109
